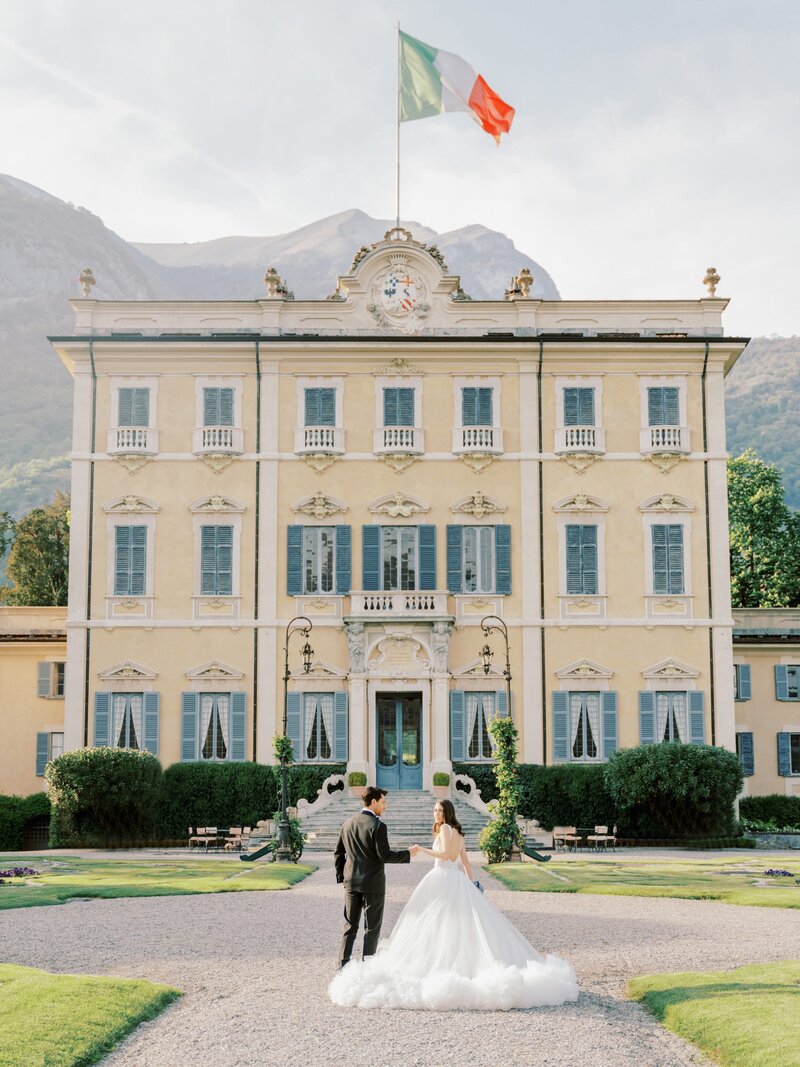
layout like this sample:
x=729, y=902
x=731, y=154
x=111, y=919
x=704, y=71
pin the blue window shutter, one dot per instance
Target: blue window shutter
x=660, y=561
x=294, y=561
x=122, y=560
x=655, y=406
x=485, y=407
x=454, y=548
x=746, y=753
x=370, y=558
x=647, y=718
x=141, y=407
x=697, y=717
x=588, y=560
x=502, y=558
x=784, y=755
x=125, y=407
x=609, y=724
x=188, y=727
x=469, y=407
x=571, y=407
x=208, y=561
x=151, y=715
x=427, y=556
x=211, y=407
x=579, y=406
x=574, y=540
x=102, y=720
x=405, y=407
x=312, y=407
x=225, y=407
x=238, y=725
x=327, y=407
x=781, y=682
x=586, y=406
x=344, y=555
x=391, y=407
x=42, y=752
x=675, y=558
x=560, y=727
x=458, y=748
x=294, y=725
x=43, y=673
x=138, y=556
x=224, y=577
x=671, y=409
x=501, y=703
x=745, y=687
x=340, y=726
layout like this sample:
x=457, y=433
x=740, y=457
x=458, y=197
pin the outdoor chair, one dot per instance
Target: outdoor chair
x=198, y=839
x=565, y=837
x=234, y=841
x=602, y=838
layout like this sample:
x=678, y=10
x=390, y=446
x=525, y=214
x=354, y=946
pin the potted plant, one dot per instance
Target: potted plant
x=357, y=781
x=441, y=785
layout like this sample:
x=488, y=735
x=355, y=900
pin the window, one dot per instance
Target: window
x=50, y=682
x=787, y=681
x=671, y=717
x=133, y=407
x=582, y=560
x=584, y=726
x=130, y=553
x=49, y=746
x=126, y=726
x=662, y=405
x=399, y=557
x=578, y=406
x=478, y=559
x=667, y=542
x=214, y=726
x=318, y=559
x=217, y=406
x=742, y=689
x=216, y=561
x=745, y=752
x=318, y=726
x=398, y=406
x=56, y=745
x=476, y=406
x=320, y=407
x=480, y=709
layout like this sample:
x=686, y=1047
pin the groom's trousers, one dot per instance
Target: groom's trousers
x=355, y=903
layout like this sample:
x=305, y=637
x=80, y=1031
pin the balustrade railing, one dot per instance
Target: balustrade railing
x=132, y=439
x=219, y=439
x=665, y=439
x=580, y=439
x=398, y=604
x=408, y=439
x=319, y=439
x=477, y=439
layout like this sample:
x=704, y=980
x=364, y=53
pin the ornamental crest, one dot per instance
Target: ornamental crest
x=399, y=296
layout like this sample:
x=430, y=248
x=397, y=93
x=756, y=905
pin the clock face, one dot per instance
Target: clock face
x=401, y=291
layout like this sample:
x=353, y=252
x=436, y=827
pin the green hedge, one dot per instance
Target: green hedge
x=775, y=808
x=305, y=779
x=674, y=790
x=103, y=795
x=483, y=776
x=15, y=814
x=214, y=794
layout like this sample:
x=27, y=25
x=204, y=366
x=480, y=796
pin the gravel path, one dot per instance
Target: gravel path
x=255, y=967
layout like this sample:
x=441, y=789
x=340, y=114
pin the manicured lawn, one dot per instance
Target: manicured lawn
x=65, y=1020
x=66, y=877
x=732, y=880
x=749, y=1017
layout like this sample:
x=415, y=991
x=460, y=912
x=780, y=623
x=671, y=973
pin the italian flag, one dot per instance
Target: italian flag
x=433, y=81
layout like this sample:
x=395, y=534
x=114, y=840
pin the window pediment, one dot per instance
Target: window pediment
x=127, y=670
x=582, y=503
x=666, y=503
x=131, y=504
x=215, y=504
x=474, y=669
x=478, y=505
x=672, y=669
x=399, y=506
x=584, y=669
x=214, y=670
x=320, y=506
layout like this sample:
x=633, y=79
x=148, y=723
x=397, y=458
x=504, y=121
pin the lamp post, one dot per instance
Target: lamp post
x=489, y=624
x=299, y=625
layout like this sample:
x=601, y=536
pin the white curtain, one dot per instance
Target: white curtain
x=120, y=736
x=326, y=704
x=662, y=713
x=593, y=715
x=679, y=706
x=310, y=718
x=575, y=709
x=224, y=712
x=473, y=703
x=487, y=713
x=206, y=707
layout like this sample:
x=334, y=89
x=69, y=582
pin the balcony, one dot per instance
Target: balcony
x=310, y=439
x=408, y=605
x=484, y=439
x=401, y=439
x=132, y=441
x=218, y=440
x=580, y=439
x=664, y=439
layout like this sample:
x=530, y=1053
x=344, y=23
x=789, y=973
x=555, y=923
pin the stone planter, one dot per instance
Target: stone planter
x=441, y=792
x=356, y=791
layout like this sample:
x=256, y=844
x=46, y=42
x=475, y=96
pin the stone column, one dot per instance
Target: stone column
x=358, y=755
x=440, y=702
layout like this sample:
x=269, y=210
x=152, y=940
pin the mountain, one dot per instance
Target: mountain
x=47, y=242
x=311, y=258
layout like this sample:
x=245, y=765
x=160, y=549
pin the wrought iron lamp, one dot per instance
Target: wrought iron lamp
x=299, y=625
x=489, y=624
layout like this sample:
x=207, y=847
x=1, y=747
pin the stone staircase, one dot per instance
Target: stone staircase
x=408, y=816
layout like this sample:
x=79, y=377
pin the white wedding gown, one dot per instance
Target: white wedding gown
x=451, y=948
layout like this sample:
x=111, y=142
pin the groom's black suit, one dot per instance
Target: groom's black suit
x=360, y=853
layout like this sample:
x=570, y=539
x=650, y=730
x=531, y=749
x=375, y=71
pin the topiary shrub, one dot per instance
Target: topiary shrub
x=775, y=808
x=356, y=779
x=502, y=835
x=567, y=794
x=440, y=778
x=674, y=790
x=15, y=814
x=215, y=794
x=103, y=795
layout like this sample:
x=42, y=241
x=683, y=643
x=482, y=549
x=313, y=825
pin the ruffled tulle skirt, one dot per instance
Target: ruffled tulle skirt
x=452, y=949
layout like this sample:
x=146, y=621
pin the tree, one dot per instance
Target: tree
x=38, y=563
x=764, y=536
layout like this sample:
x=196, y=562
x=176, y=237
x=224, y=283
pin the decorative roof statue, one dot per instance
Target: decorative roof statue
x=711, y=281
x=86, y=281
x=276, y=286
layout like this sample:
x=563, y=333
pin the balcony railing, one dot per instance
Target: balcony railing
x=398, y=605
x=132, y=440
x=408, y=439
x=319, y=439
x=477, y=439
x=580, y=439
x=218, y=439
x=664, y=439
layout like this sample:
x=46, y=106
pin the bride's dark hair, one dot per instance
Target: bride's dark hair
x=449, y=812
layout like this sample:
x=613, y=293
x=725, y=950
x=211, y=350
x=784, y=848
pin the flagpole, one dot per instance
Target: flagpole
x=397, y=146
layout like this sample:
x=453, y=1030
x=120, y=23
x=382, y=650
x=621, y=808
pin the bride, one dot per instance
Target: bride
x=451, y=948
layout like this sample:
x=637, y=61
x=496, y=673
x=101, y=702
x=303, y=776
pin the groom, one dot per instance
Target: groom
x=360, y=853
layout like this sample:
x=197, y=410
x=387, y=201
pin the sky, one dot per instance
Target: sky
x=651, y=140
